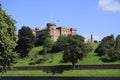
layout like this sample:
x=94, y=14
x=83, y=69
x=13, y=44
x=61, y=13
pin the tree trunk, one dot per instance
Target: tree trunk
x=73, y=65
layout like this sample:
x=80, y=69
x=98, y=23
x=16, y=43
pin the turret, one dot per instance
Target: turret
x=51, y=26
x=52, y=30
x=73, y=31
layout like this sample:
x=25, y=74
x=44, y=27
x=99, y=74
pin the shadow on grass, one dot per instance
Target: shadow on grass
x=38, y=61
x=107, y=60
x=61, y=61
x=58, y=69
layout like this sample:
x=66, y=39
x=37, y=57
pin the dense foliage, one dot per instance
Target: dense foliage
x=41, y=38
x=25, y=41
x=47, y=46
x=114, y=53
x=106, y=44
x=8, y=55
x=59, y=44
x=75, y=49
x=109, y=47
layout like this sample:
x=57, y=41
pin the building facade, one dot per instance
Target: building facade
x=55, y=31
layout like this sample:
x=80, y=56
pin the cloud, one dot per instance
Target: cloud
x=109, y=5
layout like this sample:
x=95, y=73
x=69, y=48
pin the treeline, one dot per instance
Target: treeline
x=109, y=48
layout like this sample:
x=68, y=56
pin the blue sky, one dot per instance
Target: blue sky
x=98, y=17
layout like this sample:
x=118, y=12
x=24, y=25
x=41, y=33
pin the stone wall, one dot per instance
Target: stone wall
x=55, y=31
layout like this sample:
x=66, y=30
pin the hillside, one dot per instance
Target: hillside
x=35, y=59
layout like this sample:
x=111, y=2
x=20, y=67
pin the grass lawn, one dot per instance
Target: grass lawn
x=72, y=73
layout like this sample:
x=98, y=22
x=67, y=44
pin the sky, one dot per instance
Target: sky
x=97, y=17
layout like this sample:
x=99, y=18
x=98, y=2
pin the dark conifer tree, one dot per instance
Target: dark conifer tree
x=25, y=41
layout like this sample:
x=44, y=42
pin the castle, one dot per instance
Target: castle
x=55, y=31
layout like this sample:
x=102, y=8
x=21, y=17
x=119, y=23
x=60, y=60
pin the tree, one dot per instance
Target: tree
x=106, y=44
x=117, y=42
x=47, y=46
x=74, y=49
x=109, y=48
x=95, y=41
x=25, y=41
x=8, y=55
x=59, y=44
x=41, y=38
x=114, y=53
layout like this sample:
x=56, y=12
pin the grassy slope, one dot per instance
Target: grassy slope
x=92, y=59
x=55, y=59
x=35, y=51
x=77, y=73
x=25, y=61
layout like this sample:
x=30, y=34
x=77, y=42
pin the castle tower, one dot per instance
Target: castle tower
x=73, y=31
x=35, y=31
x=52, y=30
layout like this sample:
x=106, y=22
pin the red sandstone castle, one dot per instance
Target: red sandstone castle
x=55, y=31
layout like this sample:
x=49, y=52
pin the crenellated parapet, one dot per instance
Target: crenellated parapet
x=55, y=31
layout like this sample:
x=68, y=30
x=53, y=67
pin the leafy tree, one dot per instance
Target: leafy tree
x=106, y=44
x=74, y=49
x=109, y=48
x=114, y=53
x=117, y=42
x=41, y=38
x=59, y=44
x=8, y=55
x=95, y=41
x=25, y=41
x=47, y=46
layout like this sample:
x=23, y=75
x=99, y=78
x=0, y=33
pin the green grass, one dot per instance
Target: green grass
x=78, y=73
x=51, y=60
x=35, y=51
x=54, y=59
x=92, y=59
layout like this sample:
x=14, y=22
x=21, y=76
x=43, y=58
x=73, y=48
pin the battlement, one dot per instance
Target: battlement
x=55, y=31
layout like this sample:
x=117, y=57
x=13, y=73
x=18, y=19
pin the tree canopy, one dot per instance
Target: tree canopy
x=106, y=44
x=40, y=39
x=25, y=41
x=8, y=55
x=59, y=44
x=114, y=53
x=74, y=49
x=47, y=46
x=109, y=47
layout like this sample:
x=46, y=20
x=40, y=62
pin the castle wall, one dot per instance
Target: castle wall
x=56, y=35
x=56, y=32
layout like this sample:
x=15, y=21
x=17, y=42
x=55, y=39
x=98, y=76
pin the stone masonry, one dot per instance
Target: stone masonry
x=55, y=31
